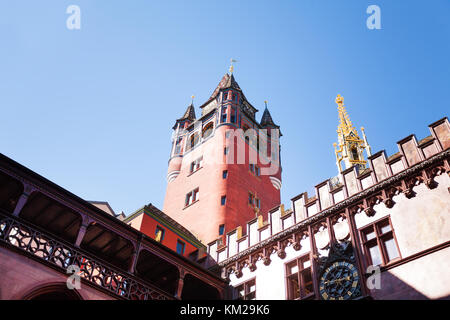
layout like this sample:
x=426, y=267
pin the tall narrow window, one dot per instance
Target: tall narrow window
x=299, y=279
x=193, y=140
x=379, y=242
x=178, y=146
x=247, y=290
x=251, y=198
x=221, y=229
x=191, y=197
x=159, y=234
x=181, y=246
x=233, y=115
x=223, y=200
x=224, y=115
x=355, y=154
x=224, y=174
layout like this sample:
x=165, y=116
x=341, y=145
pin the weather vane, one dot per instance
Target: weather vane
x=231, y=66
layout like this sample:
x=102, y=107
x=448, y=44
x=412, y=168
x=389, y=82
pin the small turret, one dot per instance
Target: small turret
x=178, y=141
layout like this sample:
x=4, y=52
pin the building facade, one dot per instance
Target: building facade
x=381, y=232
x=380, y=229
x=216, y=181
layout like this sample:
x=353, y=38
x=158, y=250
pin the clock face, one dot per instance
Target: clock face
x=339, y=281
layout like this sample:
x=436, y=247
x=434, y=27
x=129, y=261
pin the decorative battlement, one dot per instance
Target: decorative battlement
x=333, y=192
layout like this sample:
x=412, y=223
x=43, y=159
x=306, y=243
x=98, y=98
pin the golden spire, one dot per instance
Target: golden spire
x=345, y=125
x=350, y=146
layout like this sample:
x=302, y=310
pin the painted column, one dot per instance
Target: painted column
x=312, y=256
x=180, y=284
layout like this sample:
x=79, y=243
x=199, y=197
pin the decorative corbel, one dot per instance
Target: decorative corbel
x=280, y=251
x=266, y=256
x=407, y=185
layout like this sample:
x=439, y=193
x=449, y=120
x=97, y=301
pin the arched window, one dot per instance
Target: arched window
x=207, y=130
x=193, y=141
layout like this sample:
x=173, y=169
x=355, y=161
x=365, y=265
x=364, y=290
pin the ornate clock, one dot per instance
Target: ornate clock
x=338, y=275
x=340, y=281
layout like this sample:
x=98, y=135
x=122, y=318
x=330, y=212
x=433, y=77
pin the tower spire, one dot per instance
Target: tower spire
x=351, y=146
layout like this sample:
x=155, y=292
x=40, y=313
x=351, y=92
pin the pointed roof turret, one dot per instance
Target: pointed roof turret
x=226, y=82
x=266, y=119
x=189, y=114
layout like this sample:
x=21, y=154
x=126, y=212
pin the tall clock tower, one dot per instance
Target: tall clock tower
x=224, y=167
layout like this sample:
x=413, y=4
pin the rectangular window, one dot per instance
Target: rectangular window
x=224, y=174
x=257, y=171
x=225, y=150
x=191, y=197
x=195, y=165
x=178, y=146
x=257, y=203
x=251, y=198
x=224, y=115
x=233, y=115
x=380, y=245
x=159, y=234
x=299, y=279
x=223, y=200
x=180, y=247
x=221, y=229
x=247, y=290
x=252, y=168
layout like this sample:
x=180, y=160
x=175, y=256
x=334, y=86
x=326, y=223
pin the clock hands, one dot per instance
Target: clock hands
x=348, y=278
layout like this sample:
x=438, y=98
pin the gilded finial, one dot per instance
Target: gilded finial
x=231, y=66
x=265, y=102
x=192, y=97
x=339, y=99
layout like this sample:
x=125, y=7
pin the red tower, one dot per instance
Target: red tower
x=224, y=168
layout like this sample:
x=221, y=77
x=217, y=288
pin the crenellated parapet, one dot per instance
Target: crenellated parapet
x=326, y=214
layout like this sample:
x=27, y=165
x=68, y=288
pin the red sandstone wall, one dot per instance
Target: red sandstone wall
x=148, y=227
x=19, y=276
x=204, y=217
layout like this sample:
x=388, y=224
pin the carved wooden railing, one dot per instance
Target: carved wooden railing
x=60, y=255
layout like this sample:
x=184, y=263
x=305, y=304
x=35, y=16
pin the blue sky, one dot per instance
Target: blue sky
x=92, y=109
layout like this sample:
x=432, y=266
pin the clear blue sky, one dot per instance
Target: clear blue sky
x=92, y=109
